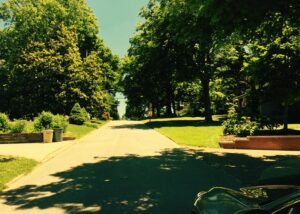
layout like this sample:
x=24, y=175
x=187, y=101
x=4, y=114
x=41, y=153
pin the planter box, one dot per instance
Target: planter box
x=21, y=138
x=291, y=143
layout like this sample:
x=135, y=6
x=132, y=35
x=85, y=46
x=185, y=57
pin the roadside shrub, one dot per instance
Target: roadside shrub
x=44, y=121
x=240, y=126
x=18, y=126
x=4, y=123
x=60, y=122
x=85, y=114
x=269, y=123
x=78, y=115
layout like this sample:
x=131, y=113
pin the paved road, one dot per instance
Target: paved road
x=124, y=167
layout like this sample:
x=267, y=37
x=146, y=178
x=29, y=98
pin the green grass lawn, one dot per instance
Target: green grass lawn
x=294, y=126
x=11, y=167
x=192, y=131
x=80, y=131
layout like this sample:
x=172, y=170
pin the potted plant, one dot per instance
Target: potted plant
x=44, y=124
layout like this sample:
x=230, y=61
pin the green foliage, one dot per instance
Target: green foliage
x=18, y=126
x=4, y=123
x=78, y=115
x=60, y=122
x=240, y=126
x=50, y=51
x=269, y=123
x=47, y=120
x=44, y=121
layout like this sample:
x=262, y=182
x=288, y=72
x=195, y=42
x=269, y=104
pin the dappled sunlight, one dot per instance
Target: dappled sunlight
x=165, y=183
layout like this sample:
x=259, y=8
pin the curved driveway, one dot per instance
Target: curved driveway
x=125, y=167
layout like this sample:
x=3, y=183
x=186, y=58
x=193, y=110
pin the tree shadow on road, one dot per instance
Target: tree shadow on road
x=166, y=183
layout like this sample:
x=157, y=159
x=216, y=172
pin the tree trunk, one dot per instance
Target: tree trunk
x=169, y=109
x=207, y=101
x=169, y=100
x=174, y=108
x=285, y=116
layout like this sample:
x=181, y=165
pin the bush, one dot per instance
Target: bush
x=4, y=123
x=85, y=114
x=47, y=120
x=44, y=121
x=60, y=122
x=269, y=123
x=78, y=115
x=240, y=126
x=18, y=126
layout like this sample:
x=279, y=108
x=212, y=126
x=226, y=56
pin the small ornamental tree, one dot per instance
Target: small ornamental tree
x=78, y=115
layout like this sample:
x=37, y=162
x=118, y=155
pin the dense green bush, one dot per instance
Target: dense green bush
x=47, y=120
x=60, y=122
x=4, y=123
x=269, y=123
x=18, y=126
x=240, y=126
x=78, y=115
x=44, y=121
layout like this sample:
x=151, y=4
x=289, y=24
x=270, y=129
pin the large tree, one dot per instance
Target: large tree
x=53, y=58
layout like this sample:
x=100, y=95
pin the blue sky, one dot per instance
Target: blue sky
x=117, y=20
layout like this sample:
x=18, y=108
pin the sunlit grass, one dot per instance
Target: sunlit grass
x=294, y=126
x=80, y=131
x=11, y=167
x=192, y=131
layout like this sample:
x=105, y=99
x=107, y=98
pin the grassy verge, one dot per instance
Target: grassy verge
x=80, y=131
x=11, y=167
x=192, y=131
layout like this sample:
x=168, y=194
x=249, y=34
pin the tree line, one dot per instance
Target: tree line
x=210, y=55
x=51, y=57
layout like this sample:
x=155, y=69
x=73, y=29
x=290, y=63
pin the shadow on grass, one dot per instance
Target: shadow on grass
x=182, y=123
x=6, y=159
x=166, y=183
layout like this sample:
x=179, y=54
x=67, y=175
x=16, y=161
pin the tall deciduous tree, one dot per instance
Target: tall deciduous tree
x=54, y=57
